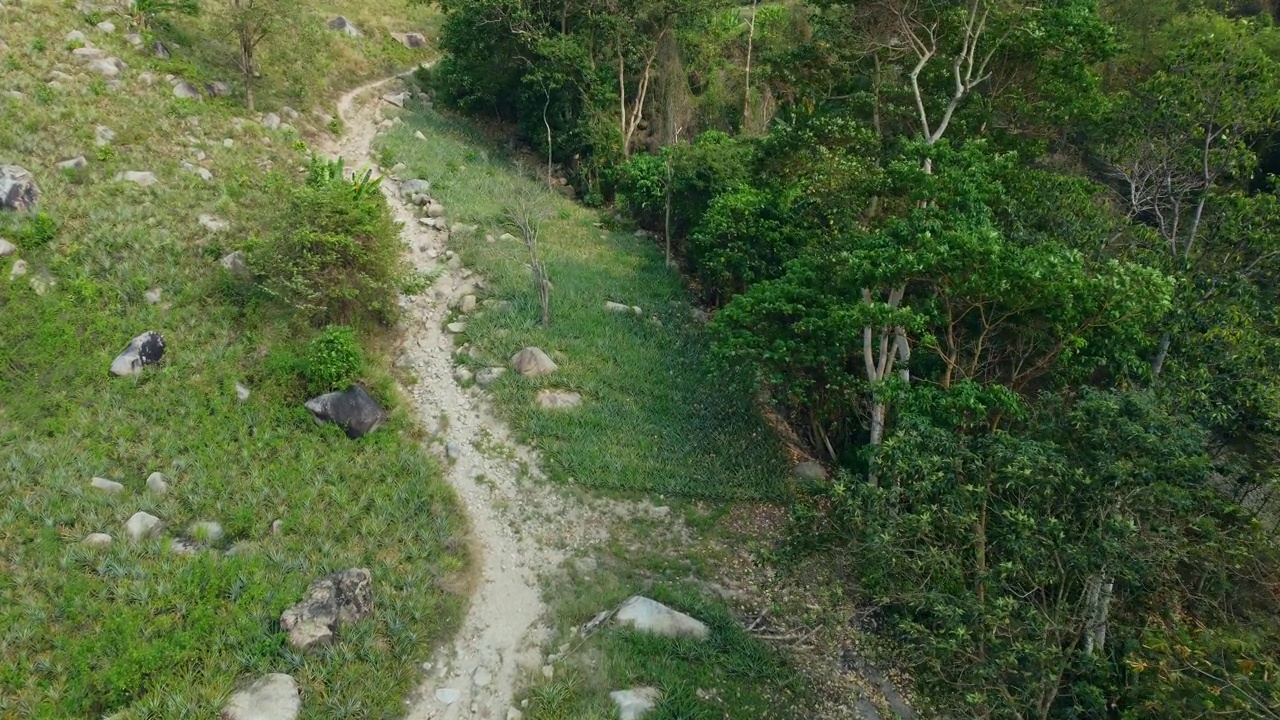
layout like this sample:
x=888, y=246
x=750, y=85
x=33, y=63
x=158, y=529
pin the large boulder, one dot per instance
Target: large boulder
x=329, y=604
x=142, y=526
x=18, y=189
x=270, y=697
x=344, y=26
x=413, y=41
x=146, y=349
x=533, y=362
x=651, y=616
x=186, y=91
x=353, y=410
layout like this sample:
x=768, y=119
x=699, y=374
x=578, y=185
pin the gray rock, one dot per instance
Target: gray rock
x=160, y=51
x=107, y=67
x=142, y=526
x=398, y=168
x=18, y=189
x=147, y=78
x=651, y=616
x=409, y=188
x=353, y=410
x=397, y=99
x=242, y=393
x=157, y=483
x=153, y=296
x=271, y=121
x=558, y=399
x=453, y=451
x=206, y=531
x=456, y=327
x=614, y=307
x=97, y=540
x=138, y=177
x=486, y=377
x=18, y=270
x=413, y=41
x=217, y=88
x=533, y=362
x=74, y=163
x=103, y=135
x=41, y=283
x=810, y=471
x=213, y=223
x=468, y=304
x=186, y=91
x=87, y=54
x=75, y=36
x=277, y=527
x=435, y=210
x=514, y=714
x=7, y=248
x=482, y=677
x=134, y=39
x=448, y=696
x=633, y=704
x=107, y=486
x=462, y=375
x=146, y=349
x=236, y=264
x=106, y=26
x=418, y=134
x=289, y=113
x=344, y=26
x=329, y=604
x=270, y=697
x=507, y=237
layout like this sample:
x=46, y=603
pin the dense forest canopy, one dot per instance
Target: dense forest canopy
x=1010, y=266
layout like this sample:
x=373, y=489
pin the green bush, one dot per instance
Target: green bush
x=333, y=360
x=335, y=256
x=745, y=236
x=40, y=230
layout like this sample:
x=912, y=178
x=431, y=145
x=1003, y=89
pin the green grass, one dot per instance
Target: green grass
x=135, y=631
x=658, y=416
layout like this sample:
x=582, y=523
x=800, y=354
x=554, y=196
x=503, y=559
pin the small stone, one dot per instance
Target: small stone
x=507, y=237
x=482, y=677
x=617, y=307
x=810, y=471
x=453, y=451
x=142, y=526
x=457, y=327
x=153, y=296
x=344, y=26
x=533, y=362
x=186, y=91
x=435, y=210
x=217, y=88
x=107, y=486
x=419, y=135
x=271, y=121
x=413, y=41
x=242, y=393
x=107, y=67
x=134, y=39
x=277, y=527
x=160, y=51
x=148, y=78
x=448, y=696
x=138, y=177
x=42, y=283
x=633, y=704
x=205, y=531
x=548, y=671
x=228, y=143
x=661, y=511
x=97, y=540
x=213, y=223
x=204, y=174
x=75, y=36
x=462, y=375
x=289, y=113
x=653, y=617
x=106, y=26
x=145, y=349
x=18, y=270
x=514, y=714
x=87, y=54
x=157, y=483
x=416, y=186
x=74, y=163
x=7, y=248
x=103, y=135
x=271, y=697
x=398, y=168
x=468, y=304
x=237, y=264
x=486, y=377
x=397, y=99
x=558, y=400
x=353, y=410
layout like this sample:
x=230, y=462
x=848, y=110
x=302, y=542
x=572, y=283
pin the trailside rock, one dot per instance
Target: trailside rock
x=653, y=617
x=270, y=697
x=412, y=40
x=634, y=703
x=105, y=485
x=533, y=362
x=157, y=483
x=398, y=99
x=146, y=349
x=7, y=248
x=344, y=26
x=409, y=188
x=271, y=121
x=353, y=410
x=142, y=526
x=138, y=177
x=486, y=377
x=74, y=163
x=160, y=51
x=18, y=189
x=186, y=91
x=558, y=399
x=329, y=604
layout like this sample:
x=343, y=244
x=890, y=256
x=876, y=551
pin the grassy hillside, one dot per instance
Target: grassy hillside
x=137, y=630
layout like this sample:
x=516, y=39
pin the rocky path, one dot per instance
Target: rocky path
x=501, y=634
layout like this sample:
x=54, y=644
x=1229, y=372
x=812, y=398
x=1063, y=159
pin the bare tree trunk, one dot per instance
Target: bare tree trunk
x=546, y=105
x=751, y=38
x=667, y=221
x=622, y=104
x=1098, y=603
x=1162, y=353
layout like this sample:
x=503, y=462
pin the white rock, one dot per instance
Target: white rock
x=453, y=451
x=468, y=304
x=633, y=704
x=228, y=143
x=7, y=248
x=457, y=327
x=514, y=714
x=549, y=672
x=271, y=697
x=213, y=223
x=138, y=177
x=87, y=54
x=653, y=617
x=271, y=121
x=105, y=485
x=106, y=26
x=533, y=362
x=134, y=39
x=97, y=540
x=74, y=163
x=242, y=393
x=186, y=91
x=419, y=135
x=448, y=696
x=462, y=375
x=157, y=483
x=487, y=376
x=482, y=677
x=42, y=283
x=623, y=309
x=18, y=270
x=106, y=67
x=142, y=526
x=277, y=527
x=237, y=264
x=153, y=296
x=75, y=36
x=558, y=399
x=103, y=135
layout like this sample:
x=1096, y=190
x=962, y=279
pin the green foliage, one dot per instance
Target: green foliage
x=336, y=255
x=151, y=13
x=333, y=360
x=40, y=230
x=744, y=237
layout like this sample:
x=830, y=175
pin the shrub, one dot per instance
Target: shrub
x=333, y=359
x=40, y=231
x=336, y=253
x=744, y=237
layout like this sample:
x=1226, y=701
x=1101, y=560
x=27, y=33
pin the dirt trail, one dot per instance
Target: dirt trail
x=501, y=634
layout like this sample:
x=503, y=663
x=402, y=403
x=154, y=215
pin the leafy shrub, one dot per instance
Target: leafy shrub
x=336, y=253
x=744, y=237
x=40, y=230
x=333, y=359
